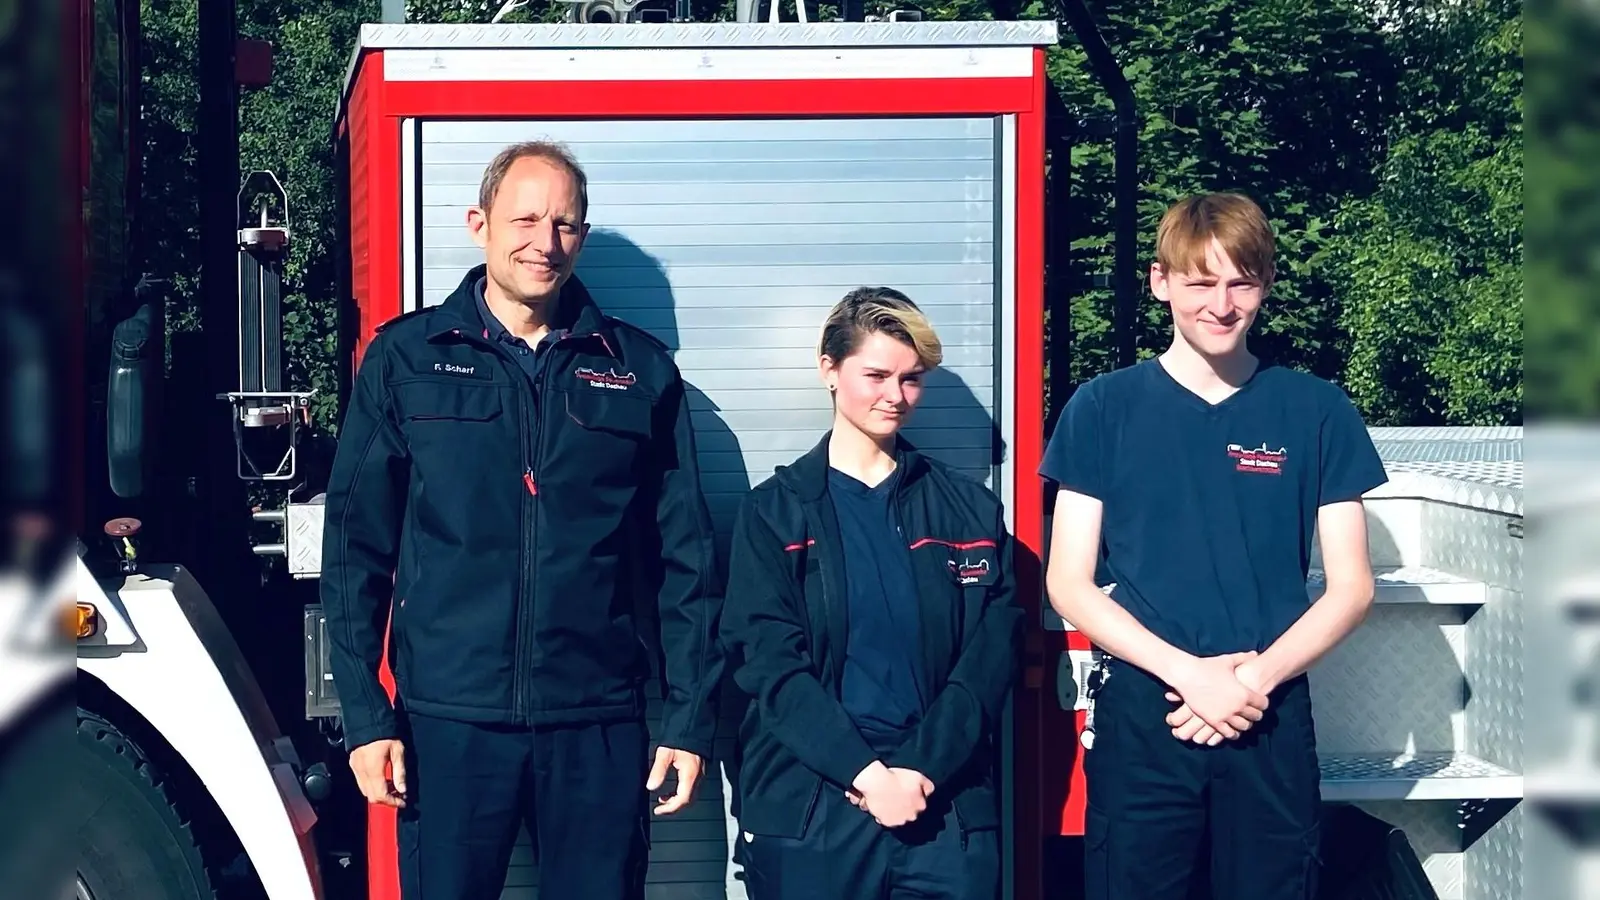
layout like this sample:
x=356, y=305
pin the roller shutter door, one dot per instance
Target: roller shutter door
x=730, y=240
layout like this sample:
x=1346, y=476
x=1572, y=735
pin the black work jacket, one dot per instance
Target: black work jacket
x=535, y=572
x=786, y=622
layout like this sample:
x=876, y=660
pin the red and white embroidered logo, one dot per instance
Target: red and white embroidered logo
x=1260, y=461
x=608, y=379
x=969, y=572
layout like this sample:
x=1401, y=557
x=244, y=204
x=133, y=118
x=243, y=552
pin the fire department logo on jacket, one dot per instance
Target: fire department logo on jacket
x=608, y=379
x=969, y=572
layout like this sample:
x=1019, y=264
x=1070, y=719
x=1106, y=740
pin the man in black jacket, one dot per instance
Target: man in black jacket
x=516, y=480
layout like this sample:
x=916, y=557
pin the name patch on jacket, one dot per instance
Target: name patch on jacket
x=457, y=370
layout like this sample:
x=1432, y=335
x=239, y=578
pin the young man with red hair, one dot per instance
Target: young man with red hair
x=1193, y=482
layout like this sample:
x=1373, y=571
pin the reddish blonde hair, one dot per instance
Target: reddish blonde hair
x=1233, y=220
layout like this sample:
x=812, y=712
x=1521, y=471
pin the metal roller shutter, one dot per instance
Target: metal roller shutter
x=729, y=240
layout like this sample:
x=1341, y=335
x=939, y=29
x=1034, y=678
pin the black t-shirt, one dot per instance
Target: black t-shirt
x=881, y=689
x=1209, y=509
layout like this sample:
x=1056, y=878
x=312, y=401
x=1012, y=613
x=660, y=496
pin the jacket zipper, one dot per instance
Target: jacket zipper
x=815, y=517
x=524, y=551
x=900, y=517
x=531, y=474
x=530, y=479
x=527, y=548
x=524, y=545
x=526, y=393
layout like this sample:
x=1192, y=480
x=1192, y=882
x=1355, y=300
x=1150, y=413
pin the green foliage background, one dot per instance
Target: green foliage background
x=1384, y=140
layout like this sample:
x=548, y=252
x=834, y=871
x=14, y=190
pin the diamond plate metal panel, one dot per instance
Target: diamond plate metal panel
x=1440, y=445
x=1434, y=833
x=1411, y=584
x=1385, y=766
x=1478, y=544
x=713, y=34
x=1476, y=467
x=1447, y=873
x=1469, y=849
x=1494, y=862
x=1447, y=433
x=1429, y=827
x=1032, y=33
x=1551, y=870
x=1427, y=481
x=1395, y=684
x=1494, y=716
x=1472, y=543
x=302, y=537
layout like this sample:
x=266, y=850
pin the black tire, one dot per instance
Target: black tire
x=134, y=843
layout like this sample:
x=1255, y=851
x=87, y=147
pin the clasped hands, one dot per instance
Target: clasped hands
x=894, y=797
x=1219, y=697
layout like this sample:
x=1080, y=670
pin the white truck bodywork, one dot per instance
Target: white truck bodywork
x=163, y=649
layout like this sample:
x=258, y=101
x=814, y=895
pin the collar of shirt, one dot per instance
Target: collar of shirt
x=494, y=330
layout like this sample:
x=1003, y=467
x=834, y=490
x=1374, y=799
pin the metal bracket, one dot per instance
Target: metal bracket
x=268, y=409
x=322, y=698
x=302, y=536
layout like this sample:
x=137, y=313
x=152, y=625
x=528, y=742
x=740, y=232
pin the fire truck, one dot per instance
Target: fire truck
x=744, y=175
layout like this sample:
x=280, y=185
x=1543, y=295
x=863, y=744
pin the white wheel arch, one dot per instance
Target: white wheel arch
x=163, y=649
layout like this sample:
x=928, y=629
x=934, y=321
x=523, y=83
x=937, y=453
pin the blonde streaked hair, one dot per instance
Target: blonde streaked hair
x=881, y=310
x=1233, y=220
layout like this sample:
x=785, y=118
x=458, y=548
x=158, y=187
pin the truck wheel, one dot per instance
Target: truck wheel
x=134, y=843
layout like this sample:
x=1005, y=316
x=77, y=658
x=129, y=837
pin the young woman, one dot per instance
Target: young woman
x=871, y=616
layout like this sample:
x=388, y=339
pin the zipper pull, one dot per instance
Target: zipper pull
x=527, y=480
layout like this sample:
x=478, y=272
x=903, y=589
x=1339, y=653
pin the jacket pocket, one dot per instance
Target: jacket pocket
x=466, y=465
x=428, y=400
x=619, y=414
x=977, y=807
x=454, y=427
x=606, y=448
x=454, y=641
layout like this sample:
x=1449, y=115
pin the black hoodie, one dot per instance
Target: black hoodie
x=785, y=620
x=528, y=567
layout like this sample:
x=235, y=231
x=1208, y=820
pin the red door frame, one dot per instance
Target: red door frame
x=371, y=122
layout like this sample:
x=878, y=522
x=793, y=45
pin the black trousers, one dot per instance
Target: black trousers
x=1154, y=802
x=579, y=789
x=845, y=854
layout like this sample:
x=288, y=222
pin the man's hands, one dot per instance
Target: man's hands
x=368, y=761
x=894, y=797
x=688, y=766
x=1221, y=697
